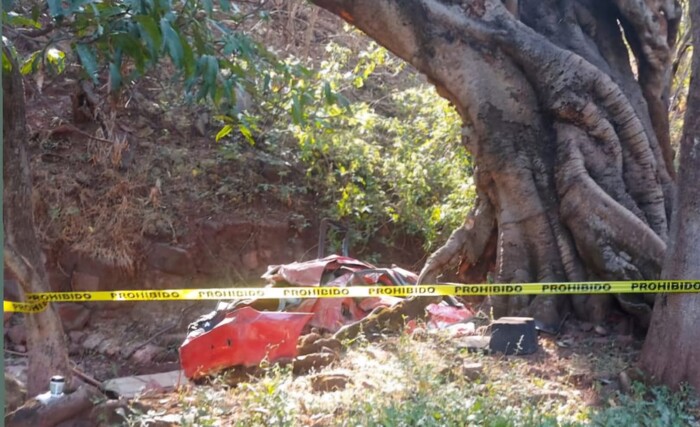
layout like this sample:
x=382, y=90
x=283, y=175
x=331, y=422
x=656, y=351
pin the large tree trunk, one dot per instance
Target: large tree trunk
x=570, y=142
x=672, y=349
x=48, y=353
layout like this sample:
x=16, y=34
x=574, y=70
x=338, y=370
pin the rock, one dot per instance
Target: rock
x=110, y=347
x=586, y=326
x=539, y=397
x=308, y=339
x=513, y=335
x=306, y=363
x=624, y=327
x=147, y=354
x=322, y=345
x=74, y=349
x=600, y=330
x=17, y=334
x=73, y=316
x=474, y=343
x=77, y=336
x=15, y=393
x=174, y=339
x=170, y=259
x=93, y=341
x=84, y=282
x=250, y=260
x=58, y=281
x=18, y=369
x=472, y=370
x=625, y=382
x=329, y=382
x=128, y=387
x=624, y=340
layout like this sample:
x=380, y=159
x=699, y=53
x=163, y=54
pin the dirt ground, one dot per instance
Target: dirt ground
x=571, y=374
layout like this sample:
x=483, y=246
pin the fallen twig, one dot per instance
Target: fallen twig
x=85, y=377
x=74, y=368
x=68, y=128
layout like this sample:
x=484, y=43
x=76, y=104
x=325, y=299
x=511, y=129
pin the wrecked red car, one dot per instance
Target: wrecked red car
x=246, y=332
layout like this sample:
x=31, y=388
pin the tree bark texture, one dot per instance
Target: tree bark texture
x=48, y=353
x=671, y=352
x=570, y=141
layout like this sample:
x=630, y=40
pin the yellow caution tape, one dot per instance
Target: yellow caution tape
x=24, y=307
x=452, y=289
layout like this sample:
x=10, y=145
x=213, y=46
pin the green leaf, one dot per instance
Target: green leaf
x=55, y=8
x=87, y=58
x=149, y=32
x=172, y=42
x=57, y=59
x=31, y=64
x=187, y=56
x=6, y=63
x=115, y=76
x=225, y=5
x=343, y=101
x=199, y=42
x=358, y=82
x=36, y=12
x=328, y=94
x=227, y=129
x=212, y=70
x=208, y=6
x=297, y=115
x=14, y=19
x=131, y=46
x=245, y=131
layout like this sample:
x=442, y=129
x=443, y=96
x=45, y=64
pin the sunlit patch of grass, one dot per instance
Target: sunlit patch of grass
x=404, y=381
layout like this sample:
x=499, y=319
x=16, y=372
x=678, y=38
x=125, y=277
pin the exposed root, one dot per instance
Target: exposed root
x=607, y=235
x=391, y=319
x=651, y=28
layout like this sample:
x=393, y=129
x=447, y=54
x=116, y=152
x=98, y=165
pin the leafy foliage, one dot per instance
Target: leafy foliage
x=649, y=407
x=213, y=60
x=379, y=159
x=398, y=161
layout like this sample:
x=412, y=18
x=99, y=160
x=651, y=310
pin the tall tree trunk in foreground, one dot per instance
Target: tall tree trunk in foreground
x=672, y=350
x=570, y=140
x=48, y=353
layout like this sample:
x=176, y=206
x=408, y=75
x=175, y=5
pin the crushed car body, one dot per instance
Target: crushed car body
x=246, y=332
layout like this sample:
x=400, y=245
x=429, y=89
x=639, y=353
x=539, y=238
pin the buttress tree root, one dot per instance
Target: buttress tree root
x=570, y=140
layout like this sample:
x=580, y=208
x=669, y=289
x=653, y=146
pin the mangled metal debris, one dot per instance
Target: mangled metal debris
x=246, y=332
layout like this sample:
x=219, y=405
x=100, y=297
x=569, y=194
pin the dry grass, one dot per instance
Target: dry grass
x=107, y=199
x=406, y=381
